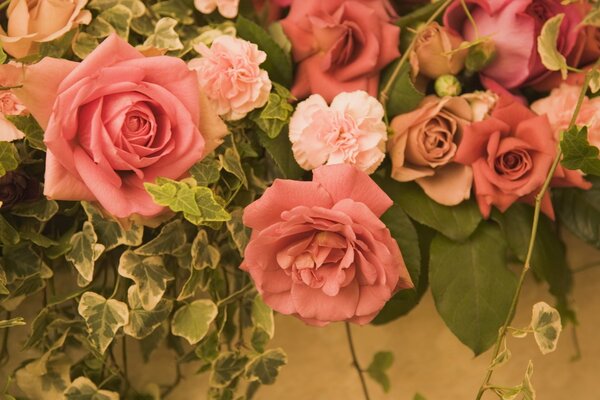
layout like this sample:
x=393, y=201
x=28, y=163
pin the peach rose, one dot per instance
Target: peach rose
x=115, y=121
x=340, y=46
x=32, y=22
x=227, y=8
x=319, y=251
x=434, y=53
x=350, y=131
x=229, y=73
x=423, y=146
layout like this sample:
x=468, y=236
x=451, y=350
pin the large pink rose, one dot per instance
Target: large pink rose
x=319, y=250
x=514, y=26
x=115, y=121
x=511, y=153
x=341, y=46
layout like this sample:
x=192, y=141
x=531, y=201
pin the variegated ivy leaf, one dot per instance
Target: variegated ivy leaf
x=204, y=255
x=226, y=368
x=503, y=355
x=42, y=210
x=48, y=386
x=103, y=318
x=165, y=36
x=206, y=171
x=84, y=389
x=34, y=134
x=594, y=79
x=265, y=367
x=176, y=9
x=527, y=389
x=9, y=157
x=193, y=320
x=119, y=17
x=233, y=164
x=262, y=316
x=110, y=232
x=551, y=57
x=240, y=234
x=9, y=323
x=84, y=43
x=546, y=325
x=99, y=28
x=84, y=252
x=142, y=322
x=168, y=241
x=149, y=274
x=275, y=115
x=136, y=6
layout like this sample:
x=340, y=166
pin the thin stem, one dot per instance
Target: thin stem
x=124, y=357
x=384, y=95
x=534, y=227
x=116, y=289
x=10, y=87
x=355, y=362
x=470, y=18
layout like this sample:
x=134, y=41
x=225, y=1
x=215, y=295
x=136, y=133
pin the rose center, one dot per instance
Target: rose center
x=345, y=48
x=513, y=164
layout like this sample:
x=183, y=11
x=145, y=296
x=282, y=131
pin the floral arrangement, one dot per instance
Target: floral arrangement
x=173, y=172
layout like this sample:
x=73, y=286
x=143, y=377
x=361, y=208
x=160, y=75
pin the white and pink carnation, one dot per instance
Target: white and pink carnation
x=349, y=131
x=229, y=74
x=227, y=8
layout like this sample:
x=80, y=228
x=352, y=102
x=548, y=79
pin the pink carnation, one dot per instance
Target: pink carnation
x=9, y=105
x=227, y=8
x=230, y=75
x=350, y=131
x=319, y=250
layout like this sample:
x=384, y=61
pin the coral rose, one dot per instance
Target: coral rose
x=423, y=146
x=514, y=26
x=349, y=131
x=32, y=22
x=115, y=121
x=319, y=250
x=229, y=73
x=340, y=46
x=511, y=153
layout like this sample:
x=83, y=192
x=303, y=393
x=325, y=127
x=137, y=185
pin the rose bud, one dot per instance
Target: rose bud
x=480, y=56
x=447, y=85
x=436, y=52
x=17, y=187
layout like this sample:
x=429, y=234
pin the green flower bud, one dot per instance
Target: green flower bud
x=480, y=55
x=447, y=85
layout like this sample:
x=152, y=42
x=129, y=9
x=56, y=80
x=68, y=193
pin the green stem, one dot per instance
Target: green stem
x=116, y=289
x=527, y=265
x=470, y=18
x=355, y=363
x=384, y=95
x=10, y=87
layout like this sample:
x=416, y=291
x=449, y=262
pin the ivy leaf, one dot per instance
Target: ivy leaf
x=578, y=153
x=141, y=321
x=103, y=318
x=58, y=47
x=110, y=231
x=193, y=320
x=84, y=389
x=240, y=234
x=85, y=251
x=503, y=355
x=119, y=17
x=165, y=36
x=278, y=63
x=84, y=43
x=42, y=210
x=34, y=134
x=551, y=57
x=204, y=255
x=265, y=367
x=49, y=385
x=168, y=241
x=226, y=368
x=8, y=234
x=262, y=317
x=206, y=171
x=176, y=9
x=149, y=274
x=210, y=209
x=280, y=150
x=9, y=157
x=546, y=325
x=471, y=285
x=231, y=163
x=403, y=96
x=9, y=323
x=382, y=361
x=276, y=113
x=136, y=6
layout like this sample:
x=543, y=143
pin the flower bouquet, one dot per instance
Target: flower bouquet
x=173, y=172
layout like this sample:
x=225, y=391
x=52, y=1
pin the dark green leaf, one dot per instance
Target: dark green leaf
x=206, y=171
x=9, y=157
x=578, y=153
x=382, y=361
x=280, y=150
x=169, y=240
x=266, y=366
x=226, y=368
x=579, y=211
x=34, y=134
x=403, y=96
x=8, y=234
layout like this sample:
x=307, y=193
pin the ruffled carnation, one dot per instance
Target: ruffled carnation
x=230, y=75
x=350, y=131
x=227, y=8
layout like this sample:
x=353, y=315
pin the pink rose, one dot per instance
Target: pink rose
x=340, y=46
x=423, y=147
x=227, y=8
x=511, y=153
x=115, y=121
x=514, y=26
x=9, y=105
x=319, y=250
x=230, y=75
x=32, y=22
x=350, y=131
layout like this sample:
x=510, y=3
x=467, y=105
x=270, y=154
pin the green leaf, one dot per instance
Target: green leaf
x=49, y=385
x=280, y=150
x=110, y=231
x=210, y=209
x=278, y=63
x=226, y=368
x=57, y=48
x=153, y=341
x=136, y=7
x=34, y=134
x=85, y=251
x=472, y=286
x=84, y=389
x=42, y=210
x=3, y=55
x=262, y=316
x=119, y=17
x=176, y=9
x=21, y=262
x=206, y=171
x=240, y=234
x=141, y=321
x=503, y=356
x=578, y=153
x=265, y=367
x=592, y=18
x=419, y=396
x=168, y=241
x=579, y=210
x=382, y=361
x=193, y=320
x=403, y=95
x=8, y=234
x=99, y=28
x=275, y=115
x=204, y=255
x=551, y=57
x=103, y=318
x=457, y=223
x=194, y=281
x=546, y=325
x=84, y=43
x=231, y=163
x=149, y=274
x=165, y=36
x=9, y=157
x=38, y=329
x=143, y=25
